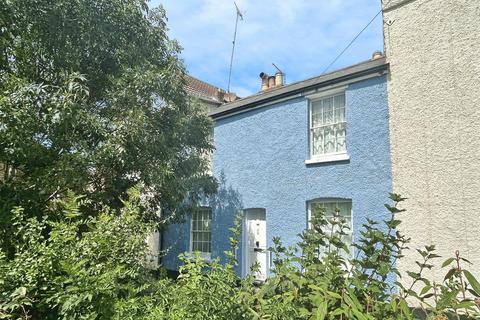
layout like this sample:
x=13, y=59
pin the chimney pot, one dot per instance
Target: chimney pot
x=377, y=55
x=271, y=81
x=264, y=78
x=278, y=79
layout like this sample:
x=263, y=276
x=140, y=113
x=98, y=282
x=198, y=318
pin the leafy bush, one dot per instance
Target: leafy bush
x=74, y=267
x=320, y=283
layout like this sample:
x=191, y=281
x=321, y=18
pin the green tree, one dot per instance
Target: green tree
x=92, y=101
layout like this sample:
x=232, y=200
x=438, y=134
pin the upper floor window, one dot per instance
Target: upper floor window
x=201, y=232
x=328, y=128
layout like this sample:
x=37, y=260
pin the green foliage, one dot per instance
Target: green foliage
x=92, y=101
x=325, y=283
x=75, y=266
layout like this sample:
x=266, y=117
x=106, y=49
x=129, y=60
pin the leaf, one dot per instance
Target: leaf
x=394, y=223
x=393, y=209
x=464, y=304
x=336, y=312
x=20, y=292
x=334, y=295
x=425, y=290
x=472, y=292
x=404, y=307
x=449, y=274
x=422, y=253
x=321, y=311
x=447, y=262
x=473, y=282
x=396, y=197
x=414, y=275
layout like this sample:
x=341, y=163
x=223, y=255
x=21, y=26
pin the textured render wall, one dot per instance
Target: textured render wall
x=260, y=160
x=433, y=47
x=175, y=241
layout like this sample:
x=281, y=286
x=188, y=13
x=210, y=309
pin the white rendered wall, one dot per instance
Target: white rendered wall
x=433, y=47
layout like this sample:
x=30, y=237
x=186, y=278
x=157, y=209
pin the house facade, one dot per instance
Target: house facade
x=433, y=50
x=278, y=154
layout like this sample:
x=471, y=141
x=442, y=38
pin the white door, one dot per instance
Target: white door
x=255, y=243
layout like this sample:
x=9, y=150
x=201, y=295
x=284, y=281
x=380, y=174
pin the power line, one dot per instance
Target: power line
x=353, y=40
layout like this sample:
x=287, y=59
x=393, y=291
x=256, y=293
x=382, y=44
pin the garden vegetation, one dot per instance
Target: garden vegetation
x=97, y=135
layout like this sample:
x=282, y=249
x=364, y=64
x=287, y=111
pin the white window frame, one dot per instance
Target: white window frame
x=329, y=215
x=205, y=255
x=332, y=156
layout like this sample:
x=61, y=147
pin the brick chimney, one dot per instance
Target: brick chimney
x=271, y=82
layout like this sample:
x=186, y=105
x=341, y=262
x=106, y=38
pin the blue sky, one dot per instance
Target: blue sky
x=301, y=37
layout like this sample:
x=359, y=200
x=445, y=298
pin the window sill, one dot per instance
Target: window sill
x=329, y=158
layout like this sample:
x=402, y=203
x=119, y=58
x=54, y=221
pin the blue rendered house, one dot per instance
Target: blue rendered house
x=319, y=142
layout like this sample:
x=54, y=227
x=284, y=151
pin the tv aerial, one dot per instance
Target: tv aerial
x=239, y=16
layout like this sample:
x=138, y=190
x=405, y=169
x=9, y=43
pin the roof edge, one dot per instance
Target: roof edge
x=348, y=73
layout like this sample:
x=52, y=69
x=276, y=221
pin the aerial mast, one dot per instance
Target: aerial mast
x=239, y=15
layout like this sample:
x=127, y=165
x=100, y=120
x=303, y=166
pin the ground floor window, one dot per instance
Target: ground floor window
x=201, y=232
x=344, y=209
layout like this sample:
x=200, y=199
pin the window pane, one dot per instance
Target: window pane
x=344, y=208
x=339, y=100
x=328, y=110
x=329, y=139
x=330, y=208
x=339, y=114
x=201, y=230
x=205, y=247
x=317, y=141
x=340, y=137
x=317, y=119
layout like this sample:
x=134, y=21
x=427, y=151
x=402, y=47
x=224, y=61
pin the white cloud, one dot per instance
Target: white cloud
x=301, y=36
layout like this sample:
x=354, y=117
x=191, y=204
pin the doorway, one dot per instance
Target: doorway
x=255, y=243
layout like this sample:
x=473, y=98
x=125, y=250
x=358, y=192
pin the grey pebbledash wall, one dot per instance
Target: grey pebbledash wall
x=259, y=160
x=433, y=47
